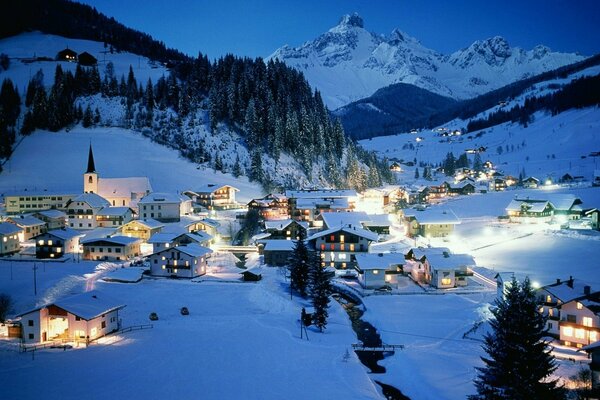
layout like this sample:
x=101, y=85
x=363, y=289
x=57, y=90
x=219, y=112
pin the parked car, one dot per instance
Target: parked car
x=185, y=311
x=153, y=316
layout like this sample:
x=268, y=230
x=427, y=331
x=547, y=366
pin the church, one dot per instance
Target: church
x=120, y=192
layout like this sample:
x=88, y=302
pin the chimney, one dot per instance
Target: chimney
x=558, y=281
x=587, y=290
x=570, y=283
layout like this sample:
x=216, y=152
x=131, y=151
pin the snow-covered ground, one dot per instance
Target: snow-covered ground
x=25, y=46
x=56, y=162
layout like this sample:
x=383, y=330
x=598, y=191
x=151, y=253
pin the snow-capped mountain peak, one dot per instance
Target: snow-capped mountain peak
x=348, y=63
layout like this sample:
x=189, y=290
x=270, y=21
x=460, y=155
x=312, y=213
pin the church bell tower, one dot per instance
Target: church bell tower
x=90, y=178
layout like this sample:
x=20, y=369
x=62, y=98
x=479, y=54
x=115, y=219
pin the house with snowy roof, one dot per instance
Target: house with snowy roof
x=337, y=219
x=83, y=317
x=270, y=207
x=276, y=253
x=113, y=217
x=338, y=246
x=530, y=210
x=447, y=270
x=9, y=238
x=306, y=205
x=164, y=207
x=83, y=210
x=30, y=225
x=28, y=201
x=185, y=261
x=432, y=222
x=54, y=219
x=141, y=228
x=122, y=192
x=214, y=196
x=573, y=311
x=115, y=248
x=288, y=229
x=57, y=242
x=166, y=240
x=567, y=206
x=379, y=269
x=531, y=182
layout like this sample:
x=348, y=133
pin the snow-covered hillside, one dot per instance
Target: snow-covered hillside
x=56, y=162
x=348, y=63
x=24, y=48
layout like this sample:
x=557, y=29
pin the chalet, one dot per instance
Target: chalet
x=498, y=184
x=430, y=222
x=438, y=191
x=164, y=207
x=371, y=200
x=122, y=192
x=142, y=229
x=86, y=59
x=66, y=55
x=111, y=217
x=566, y=206
x=57, y=242
x=395, y=167
x=448, y=270
x=116, y=248
x=185, y=261
x=377, y=270
x=25, y=202
x=9, y=238
x=276, y=253
x=531, y=183
x=392, y=196
x=270, y=207
x=573, y=311
x=378, y=223
x=529, y=210
x=83, y=317
x=30, y=225
x=286, y=229
x=165, y=240
x=336, y=220
x=83, y=210
x=212, y=196
x=54, y=219
x=338, y=246
x=306, y=205
x=463, y=188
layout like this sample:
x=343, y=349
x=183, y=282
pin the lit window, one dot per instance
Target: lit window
x=446, y=281
x=593, y=336
x=587, y=321
x=167, y=245
x=41, y=242
x=375, y=271
x=351, y=247
x=5, y=239
x=579, y=306
x=175, y=270
x=548, y=299
x=580, y=333
x=163, y=258
x=567, y=331
x=341, y=238
x=163, y=267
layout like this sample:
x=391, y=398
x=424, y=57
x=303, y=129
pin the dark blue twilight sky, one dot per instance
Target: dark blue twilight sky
x=258, y=27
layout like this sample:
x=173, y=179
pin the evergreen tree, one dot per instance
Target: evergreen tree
x=299, y=267
x=477, y=163
x=237, y=168
x=88, y=118
x=518, y=363
x=417, y=173
x=256, y=171
x=449, y=164
x=320, y=288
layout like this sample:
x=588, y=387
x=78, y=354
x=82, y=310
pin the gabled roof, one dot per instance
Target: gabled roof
x=564, y=202
x=116, y=240
x=278, y=245
x=335, y=219
x=164, y=198
x=369, y=235
x=434, y=216
x=64, y=233
x=94, y=200
x=52, y=213
x=148, y=223
x=568, y=290
x=211, y=187
x=450, y=261
x=88, y=305
x=282, y=224
x=26, y=220
x=114, y=211
x=378, y=220
x=420, y=252
x=320, y=194
x=370, y=261
x=335, y=203
x=123, y=187
x=192, y=249
x=170, y=237
x=531, y=205
x=6, y=228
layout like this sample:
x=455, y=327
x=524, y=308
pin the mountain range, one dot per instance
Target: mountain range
x=348, y=63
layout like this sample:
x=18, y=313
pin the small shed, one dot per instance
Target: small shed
x=66, y=55
x=86, y=59
x=251, y=275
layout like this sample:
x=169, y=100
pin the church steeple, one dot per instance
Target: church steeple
x=91, y=166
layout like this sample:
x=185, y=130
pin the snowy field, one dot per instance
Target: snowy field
x=56, y=162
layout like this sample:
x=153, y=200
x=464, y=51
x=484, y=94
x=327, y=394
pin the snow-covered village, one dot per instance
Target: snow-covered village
x=352, y=215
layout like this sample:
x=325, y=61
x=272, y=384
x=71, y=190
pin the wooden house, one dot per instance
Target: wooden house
x=531, y=183
x=288, y=229
x=66, y=55
x=142, y=229
x=113, y=217
x=212, y=196
x=116, y=248
x=530, y=210
x=338, y=246
x=276, y=253
x=86, y=59
x=56, y=243
x=270, y=207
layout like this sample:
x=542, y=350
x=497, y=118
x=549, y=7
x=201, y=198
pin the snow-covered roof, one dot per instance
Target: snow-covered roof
x=148, y=223
x=52, y=213
x=169, y=237
x=116, y=240
x=192, y=249
x=434, y=216
x=319, y=194
x=367, y=261
x=450, y=261
x=211, y=187
x=369, y=235
x=113, y=187
x=113, y=211
x=532, y=205
x=87, y=305
x=6, y=228
x=564, y=202
x=163, y=198
x=26, y=220
x=94, y=200
x=211, y=222
x=278, y=245
x=336, y=203
x=378, y=220
x=282, y=224
x=567, y=290
x=260, y=236
x=335, y=219
x=64, y=233
x=199, y=236
x=421, y=252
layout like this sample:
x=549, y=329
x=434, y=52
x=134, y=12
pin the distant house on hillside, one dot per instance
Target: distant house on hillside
x=531, y=183
x=430, y=223
x=66, y=55
x=86, y=59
